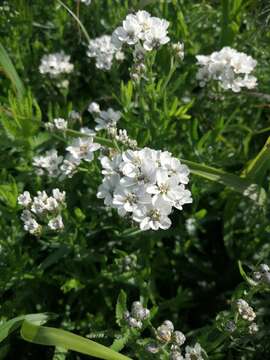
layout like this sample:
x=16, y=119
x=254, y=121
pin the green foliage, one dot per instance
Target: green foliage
x=90, y=274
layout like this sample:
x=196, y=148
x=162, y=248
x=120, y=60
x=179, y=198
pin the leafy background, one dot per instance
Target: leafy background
x=77, y=275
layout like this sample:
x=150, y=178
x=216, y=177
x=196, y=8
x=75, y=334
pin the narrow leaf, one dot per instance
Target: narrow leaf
x=257, y=168
x=11, y=325
x=63, y=339
x=10, y=71
x=234, y=182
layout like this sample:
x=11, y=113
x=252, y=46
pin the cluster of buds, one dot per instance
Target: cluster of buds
x=178, y=48
x=122, y=137
x=138, y=69
x=244, y=310
x=58, y=124
x=263, y=274
x=42, y=211
x=253, y=328
x=137, y=315
x=165, y=333
x=127, y=263
x=173, y=340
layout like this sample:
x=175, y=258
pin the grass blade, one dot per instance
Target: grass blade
x=239, y=184
x=63, y=339
x=257, y=168
x=76, y=19
x=8, y=68
x=11, y=325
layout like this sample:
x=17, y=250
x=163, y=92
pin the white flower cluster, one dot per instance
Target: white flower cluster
x=142, y=28
x=58, y=124
x=145, y=184
x=56, y=64
x=137, y=315
x=263, y=274
x=231, y=68
x=105, y=119
x=42, y=211
x=244, y=310
x=104, y=51
x=81, y=148
x=48, y=164
x=166, y=335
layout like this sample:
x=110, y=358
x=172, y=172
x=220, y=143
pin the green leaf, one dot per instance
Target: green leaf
x=121, y=307
x=11, y=325
x=63, y=339
x=120, y=343
x=9, y=193
x=239, y=184
x=10, y=71
x=256, y=169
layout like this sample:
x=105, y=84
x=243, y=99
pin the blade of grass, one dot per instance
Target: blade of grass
x=11, y=325
x=256, y=169
x=76, y=19
x=239, y=184
x=10, y=71
x=60, y=338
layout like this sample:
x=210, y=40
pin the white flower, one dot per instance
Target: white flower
x=59, y=196
x=104, y=51
x=83, y=148
x=166, y=188
x=51, y=204
x=194, y=353
x=60, y=124
x=141, y=29
x=56, y=223
x=128, y=199
x=153, y=217
x=94, y=108
x=107, y=188
x=107, y=119
x=32, y=226
x=24, y=199
x=130, y=31
x=49, y=163
x=26, y=215
x=232, y=69
x=110, y=165
x=56, y=64
x=157, y=35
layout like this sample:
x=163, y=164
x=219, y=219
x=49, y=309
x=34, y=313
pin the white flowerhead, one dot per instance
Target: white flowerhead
x=43, y=212
x=104, y=51
x=141, y=29
x=146, y=185
x=232, y=69
x=56, y=64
